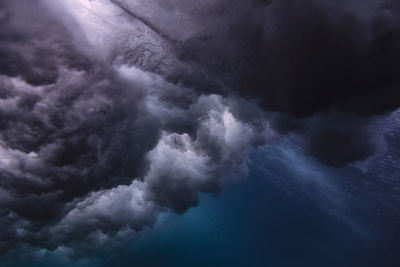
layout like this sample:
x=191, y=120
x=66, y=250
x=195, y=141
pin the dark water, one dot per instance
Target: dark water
x=292, y=211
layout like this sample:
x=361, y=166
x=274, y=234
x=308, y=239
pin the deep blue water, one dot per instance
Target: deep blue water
x=292, y=211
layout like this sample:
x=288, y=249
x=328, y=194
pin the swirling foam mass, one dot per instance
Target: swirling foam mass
x=113, y=112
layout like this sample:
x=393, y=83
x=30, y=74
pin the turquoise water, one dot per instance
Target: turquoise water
x=292, y=211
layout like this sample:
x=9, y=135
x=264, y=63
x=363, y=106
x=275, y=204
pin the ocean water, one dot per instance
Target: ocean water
x=291, y=211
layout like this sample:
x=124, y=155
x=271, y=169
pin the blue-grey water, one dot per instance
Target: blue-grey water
x=291, y=211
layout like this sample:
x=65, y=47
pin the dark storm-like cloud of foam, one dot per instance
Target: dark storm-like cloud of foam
x=114, y=111
x=94, y=142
